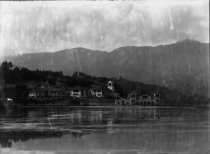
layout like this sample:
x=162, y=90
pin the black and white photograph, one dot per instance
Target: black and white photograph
x=104, y=77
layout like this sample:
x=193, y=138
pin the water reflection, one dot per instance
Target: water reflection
x=105, y=128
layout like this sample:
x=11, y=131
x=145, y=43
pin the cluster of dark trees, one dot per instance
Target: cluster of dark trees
x=11, y=74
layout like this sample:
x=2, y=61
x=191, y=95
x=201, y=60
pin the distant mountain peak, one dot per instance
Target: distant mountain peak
x=79, y=49
x=188, y=41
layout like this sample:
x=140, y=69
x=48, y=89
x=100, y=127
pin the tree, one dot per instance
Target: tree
x=6, y=71
x=20, y=93
x=6, y=66
x=52, y=80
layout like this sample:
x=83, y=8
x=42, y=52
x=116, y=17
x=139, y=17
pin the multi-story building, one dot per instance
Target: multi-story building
x=78, y=92
x=47, y=92
x=96, y=91
x=140, y=99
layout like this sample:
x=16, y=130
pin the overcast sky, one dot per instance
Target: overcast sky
x=27, y=27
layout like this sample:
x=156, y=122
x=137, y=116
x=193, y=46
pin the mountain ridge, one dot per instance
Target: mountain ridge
x=93, y=50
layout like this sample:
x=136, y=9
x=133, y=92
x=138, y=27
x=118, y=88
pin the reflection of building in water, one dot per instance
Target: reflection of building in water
x=87, y=117
x=110, y=126
x=136, y=114
x=76, y=116
x=96, y=116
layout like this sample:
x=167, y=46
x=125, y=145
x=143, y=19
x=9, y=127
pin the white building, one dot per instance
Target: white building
x=96, y=91
x=110, y=85
x=79, y=92
x=133, y=98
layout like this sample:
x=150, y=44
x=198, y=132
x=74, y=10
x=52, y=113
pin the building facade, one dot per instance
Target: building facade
x=96, y=91
x=144, y=99
x=47, y=92
x=79, y=92
x=110, y=85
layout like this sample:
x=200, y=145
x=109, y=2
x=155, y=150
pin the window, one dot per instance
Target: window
x=144, y=97
x=133, y=95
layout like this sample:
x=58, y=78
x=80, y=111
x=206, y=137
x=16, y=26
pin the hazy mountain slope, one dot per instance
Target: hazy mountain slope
x=182, y=66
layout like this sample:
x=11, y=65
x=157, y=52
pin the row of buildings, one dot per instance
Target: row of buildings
x=135, y=98
x=77, y=91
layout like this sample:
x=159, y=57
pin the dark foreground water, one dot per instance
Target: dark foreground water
x=104, y=130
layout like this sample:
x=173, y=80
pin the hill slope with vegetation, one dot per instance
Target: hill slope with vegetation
x=18, y=79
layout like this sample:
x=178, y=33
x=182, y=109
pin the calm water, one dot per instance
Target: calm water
x=104, y=130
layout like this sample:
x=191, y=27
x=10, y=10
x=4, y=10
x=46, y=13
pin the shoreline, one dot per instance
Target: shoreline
x=92, y=102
